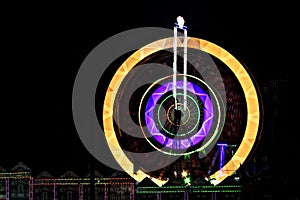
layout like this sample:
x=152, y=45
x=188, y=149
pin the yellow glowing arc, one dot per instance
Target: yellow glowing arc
x=253, y=112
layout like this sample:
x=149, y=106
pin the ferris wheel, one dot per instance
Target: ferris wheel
x=180, y=96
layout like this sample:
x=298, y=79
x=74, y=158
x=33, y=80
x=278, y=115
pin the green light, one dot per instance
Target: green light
x=187, y=180
x=193, y=189
x=187, y=156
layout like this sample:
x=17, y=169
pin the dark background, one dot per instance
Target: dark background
x=43, y=46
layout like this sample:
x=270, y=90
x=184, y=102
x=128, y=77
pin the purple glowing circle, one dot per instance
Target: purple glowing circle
x=182, y=143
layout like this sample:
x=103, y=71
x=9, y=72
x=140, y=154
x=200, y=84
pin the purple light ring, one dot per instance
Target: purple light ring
x=184, y=143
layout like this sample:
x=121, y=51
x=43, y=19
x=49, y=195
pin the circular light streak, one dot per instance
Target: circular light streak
x=212, y=135
x=186, y=115
x=251, y=97
x=160, y=137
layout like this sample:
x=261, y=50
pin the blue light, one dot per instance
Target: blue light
x=183, y=28
x=222, y=146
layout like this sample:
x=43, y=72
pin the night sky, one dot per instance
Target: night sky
x=43, y=47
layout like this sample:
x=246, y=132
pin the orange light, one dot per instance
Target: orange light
x=235, y=66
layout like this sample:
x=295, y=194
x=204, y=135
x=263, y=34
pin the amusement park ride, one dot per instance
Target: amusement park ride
x=174, y=106
x=209, y=99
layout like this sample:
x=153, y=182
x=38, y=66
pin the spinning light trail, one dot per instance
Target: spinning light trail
x=240, y=73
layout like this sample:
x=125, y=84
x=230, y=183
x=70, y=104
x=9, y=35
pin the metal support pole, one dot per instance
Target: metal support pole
x=7, y=188
x=132, y=191
x=158, y=196
x=175, y=65
x=180, y=25
x=184, y=69
x=54, y=192
x=80, y=191
x=105, y=191
x=30, y=182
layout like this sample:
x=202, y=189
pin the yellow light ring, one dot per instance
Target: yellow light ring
x=253, y=113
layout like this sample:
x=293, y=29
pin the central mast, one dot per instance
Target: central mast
x=180, y=25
